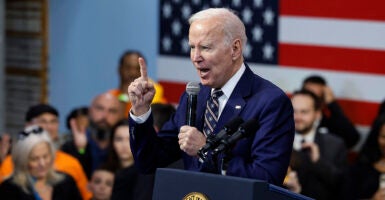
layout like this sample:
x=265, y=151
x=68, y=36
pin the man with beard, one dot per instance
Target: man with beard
x=89, y=144
x=333, y=118
x=318, y=158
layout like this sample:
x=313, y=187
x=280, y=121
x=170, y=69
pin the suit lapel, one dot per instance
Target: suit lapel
x=236, y=102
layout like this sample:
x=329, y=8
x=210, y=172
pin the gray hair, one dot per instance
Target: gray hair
x=20, y=155
x=231, y=24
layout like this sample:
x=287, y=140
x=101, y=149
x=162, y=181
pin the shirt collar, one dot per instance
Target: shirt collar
x=229, y=86
x=308, y=137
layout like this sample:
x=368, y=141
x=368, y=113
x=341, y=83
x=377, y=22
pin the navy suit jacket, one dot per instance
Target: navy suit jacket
x=263, y=156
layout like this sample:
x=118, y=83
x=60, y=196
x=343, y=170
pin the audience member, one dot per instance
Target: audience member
x=5, y=146
x=90, y=145
x=101, y=184
x=319, y=159
x=161, y=112
x=217, y=38
x=34, y=176
x=291, y=181
x=367, y=174
x=129, y=183
x=333, y=118
x=46, y=116
x=371, y=143
x=129, y=70
x=81, y=117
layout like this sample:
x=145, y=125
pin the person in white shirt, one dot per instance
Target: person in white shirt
x=320, y=159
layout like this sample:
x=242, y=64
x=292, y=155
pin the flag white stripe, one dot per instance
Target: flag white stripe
x=353, y=86
x=347, y=85
x=176, y=69
x=332, y=32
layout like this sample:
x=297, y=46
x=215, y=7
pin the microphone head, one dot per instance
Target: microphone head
x=249, y=127
x=233, y=124
x=192, y=88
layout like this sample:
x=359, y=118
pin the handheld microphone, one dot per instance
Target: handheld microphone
x=245, y=130
x=192, y=89
x=213, y=140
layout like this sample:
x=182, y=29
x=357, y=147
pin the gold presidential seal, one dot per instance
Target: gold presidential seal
x=195, y=196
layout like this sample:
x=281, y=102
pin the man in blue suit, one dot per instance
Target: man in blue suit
x=216, y=38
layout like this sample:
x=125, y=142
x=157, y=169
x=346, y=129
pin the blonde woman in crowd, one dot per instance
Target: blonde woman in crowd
x=34, y=176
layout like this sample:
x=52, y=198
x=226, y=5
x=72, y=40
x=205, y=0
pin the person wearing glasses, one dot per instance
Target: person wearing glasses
x=34, y=176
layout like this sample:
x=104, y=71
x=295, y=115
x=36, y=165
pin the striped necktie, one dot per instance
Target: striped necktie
x=212, y=112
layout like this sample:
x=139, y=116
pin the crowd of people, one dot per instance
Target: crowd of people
x=92, y=160
x=114, y=145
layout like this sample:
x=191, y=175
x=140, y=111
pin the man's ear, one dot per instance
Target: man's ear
x=236, y=49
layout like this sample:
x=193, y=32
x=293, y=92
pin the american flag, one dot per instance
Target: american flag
x=343, y=40
x=260, y=20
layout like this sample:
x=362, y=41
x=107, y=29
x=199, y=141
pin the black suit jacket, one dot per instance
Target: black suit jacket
x=337, y=123
x=64, y=190
x=323, y=179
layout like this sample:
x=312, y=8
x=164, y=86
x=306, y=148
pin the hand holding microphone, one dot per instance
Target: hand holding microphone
x=189, y=138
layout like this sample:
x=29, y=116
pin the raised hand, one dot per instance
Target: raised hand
x=313, y=149
x=292, y=182
x=328, y=95
x=141, y=91
x=79, y=135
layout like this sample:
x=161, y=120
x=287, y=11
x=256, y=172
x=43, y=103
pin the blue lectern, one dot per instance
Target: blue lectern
x=178, y=184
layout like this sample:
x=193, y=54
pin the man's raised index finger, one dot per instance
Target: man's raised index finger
x=143, y=68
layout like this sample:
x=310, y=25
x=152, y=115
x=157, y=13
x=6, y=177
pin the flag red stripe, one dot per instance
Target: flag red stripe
x=332, y=58
x=346, y=9
x=359, y=112
x=173, y=90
